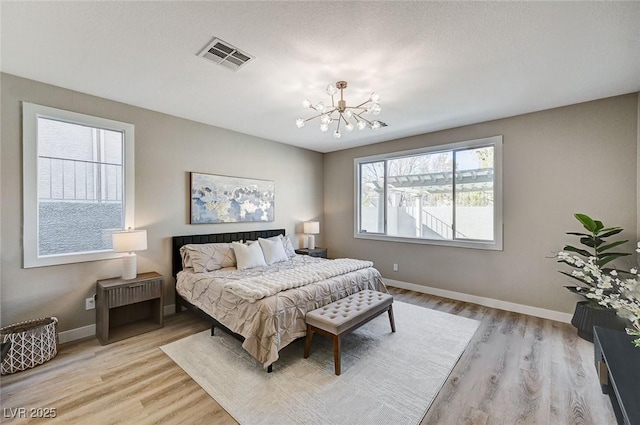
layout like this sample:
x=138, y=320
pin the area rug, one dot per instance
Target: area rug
x=387, y=378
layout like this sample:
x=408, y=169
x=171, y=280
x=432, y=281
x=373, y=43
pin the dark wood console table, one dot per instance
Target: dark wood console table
x=618, y=364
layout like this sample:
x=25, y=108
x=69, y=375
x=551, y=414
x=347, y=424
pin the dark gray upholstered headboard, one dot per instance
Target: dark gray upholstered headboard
x=179, y=241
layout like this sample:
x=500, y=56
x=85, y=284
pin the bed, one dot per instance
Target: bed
x=262, y=306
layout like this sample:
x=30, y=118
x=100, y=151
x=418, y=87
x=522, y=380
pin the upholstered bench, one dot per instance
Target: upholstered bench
x=344, y=316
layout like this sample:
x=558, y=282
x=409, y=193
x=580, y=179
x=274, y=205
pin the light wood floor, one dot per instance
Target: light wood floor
x=517, y=370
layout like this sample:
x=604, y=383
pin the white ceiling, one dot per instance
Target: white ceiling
x=436, y=65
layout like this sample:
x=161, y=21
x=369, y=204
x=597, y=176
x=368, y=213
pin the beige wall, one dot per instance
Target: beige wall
x=579, y=158
x=166, y=149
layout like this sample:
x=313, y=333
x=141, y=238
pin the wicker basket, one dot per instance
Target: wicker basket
x=33, y=342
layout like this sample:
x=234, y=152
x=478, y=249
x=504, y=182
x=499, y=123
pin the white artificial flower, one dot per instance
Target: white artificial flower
x=605, y=285
x=609, y=289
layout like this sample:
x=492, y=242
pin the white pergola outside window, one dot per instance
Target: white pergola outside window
x=442, y=195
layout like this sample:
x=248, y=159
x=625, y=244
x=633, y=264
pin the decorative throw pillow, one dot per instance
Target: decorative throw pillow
x=207, y=257
x=273, y=250
x=248, y=256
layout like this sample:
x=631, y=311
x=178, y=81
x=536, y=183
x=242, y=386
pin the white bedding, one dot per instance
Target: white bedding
x=272, y=322
x=257, y=287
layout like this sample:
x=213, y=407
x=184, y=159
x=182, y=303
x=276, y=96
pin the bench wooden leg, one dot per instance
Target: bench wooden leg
x=391, y=319
x=307, y=341
x=337, y=354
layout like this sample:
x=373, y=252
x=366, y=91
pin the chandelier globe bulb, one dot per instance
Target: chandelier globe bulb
x=300, y=122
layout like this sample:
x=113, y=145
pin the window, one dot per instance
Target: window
x=442, y=195
x=78, y=174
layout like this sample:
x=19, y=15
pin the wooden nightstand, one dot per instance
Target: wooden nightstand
x=125, y=308
x=316, y=252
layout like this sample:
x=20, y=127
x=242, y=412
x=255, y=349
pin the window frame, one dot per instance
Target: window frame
x=30, y=114
x=496, y=244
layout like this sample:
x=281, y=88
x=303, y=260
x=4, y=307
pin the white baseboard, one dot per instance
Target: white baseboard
x=90, y=330
x=487, y=302
x=77, y=333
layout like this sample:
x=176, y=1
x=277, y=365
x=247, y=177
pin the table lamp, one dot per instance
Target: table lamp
x=311, y=228
x=129, y=241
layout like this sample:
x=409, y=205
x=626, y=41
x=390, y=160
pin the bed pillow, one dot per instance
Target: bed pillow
x=248, y=256
x=286, y=242
x=186, y=258
x=288, y=246
x=273, y=250
x=207, y=257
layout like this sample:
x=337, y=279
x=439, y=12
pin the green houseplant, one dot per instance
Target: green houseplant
x=594, y=245
x=598, y=249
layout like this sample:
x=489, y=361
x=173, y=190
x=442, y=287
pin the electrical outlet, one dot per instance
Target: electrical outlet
x=90, y=303
x=395, y=267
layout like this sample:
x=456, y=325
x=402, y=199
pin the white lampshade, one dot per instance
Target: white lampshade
x=129, y=241
x=312, y=227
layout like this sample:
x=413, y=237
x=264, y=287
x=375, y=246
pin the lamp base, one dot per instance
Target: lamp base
x=311, y=244
x=129, y=266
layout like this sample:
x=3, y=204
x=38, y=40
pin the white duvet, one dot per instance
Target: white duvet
x=257, y=287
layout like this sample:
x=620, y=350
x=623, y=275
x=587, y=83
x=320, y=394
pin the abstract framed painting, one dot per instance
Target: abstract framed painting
x=225, y=199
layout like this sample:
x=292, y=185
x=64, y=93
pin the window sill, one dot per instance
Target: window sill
x=486, y=245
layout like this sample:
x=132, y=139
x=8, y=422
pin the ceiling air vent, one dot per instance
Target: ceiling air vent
x=225, y=54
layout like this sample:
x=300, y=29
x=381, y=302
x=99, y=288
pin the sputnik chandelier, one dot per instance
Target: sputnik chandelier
x=343, y=114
